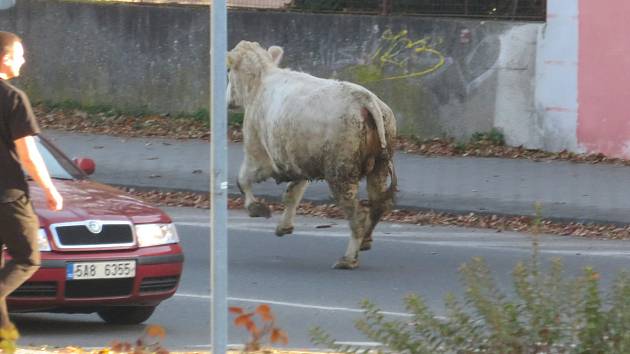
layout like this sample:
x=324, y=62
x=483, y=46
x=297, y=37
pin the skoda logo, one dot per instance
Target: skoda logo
x=94, y=226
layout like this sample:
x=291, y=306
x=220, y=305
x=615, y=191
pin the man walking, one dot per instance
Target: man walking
x=19, y=225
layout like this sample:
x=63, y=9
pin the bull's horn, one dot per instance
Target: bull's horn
x=230, y=60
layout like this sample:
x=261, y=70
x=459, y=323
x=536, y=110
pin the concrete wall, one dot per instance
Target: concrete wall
x=442, y=77
x=129, y=56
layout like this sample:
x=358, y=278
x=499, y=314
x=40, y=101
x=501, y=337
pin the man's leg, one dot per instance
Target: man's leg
x=19, y=234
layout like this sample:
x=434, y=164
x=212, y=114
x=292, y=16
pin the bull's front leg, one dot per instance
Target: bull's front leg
x=291, y=200
x=246, y=178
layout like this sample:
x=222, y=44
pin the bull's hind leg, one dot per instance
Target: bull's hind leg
x=381, y=199
x=346, y=195
x=291, y=200
x=246, y=178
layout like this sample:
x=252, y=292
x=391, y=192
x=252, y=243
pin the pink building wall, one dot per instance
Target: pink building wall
x=604, y=77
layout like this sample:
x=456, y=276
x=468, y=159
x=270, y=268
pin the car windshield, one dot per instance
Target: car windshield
x=59, y=166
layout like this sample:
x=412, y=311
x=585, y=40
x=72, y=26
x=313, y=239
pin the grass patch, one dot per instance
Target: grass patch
x=493, y=137
x=99, y=111
x=235, y=118
x=107, y=110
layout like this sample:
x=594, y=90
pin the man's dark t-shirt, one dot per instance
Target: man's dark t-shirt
x=16, y=121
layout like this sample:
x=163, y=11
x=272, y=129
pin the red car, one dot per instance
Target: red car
x=105, y=252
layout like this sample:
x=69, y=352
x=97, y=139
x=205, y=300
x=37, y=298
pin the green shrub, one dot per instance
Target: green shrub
x=493, y=137
x=93, y=109
x=336, y=5
x=97, y=112
x=549, y=313
x=235, y=118
x=318, y=5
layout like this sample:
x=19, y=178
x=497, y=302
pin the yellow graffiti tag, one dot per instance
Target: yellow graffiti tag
x=395, y=49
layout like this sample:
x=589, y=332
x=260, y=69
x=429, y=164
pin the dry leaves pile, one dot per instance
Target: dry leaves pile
x=115, y=124
x=494, y=222
x=448, y=147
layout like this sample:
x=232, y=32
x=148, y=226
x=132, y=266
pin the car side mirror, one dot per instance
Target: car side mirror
x=86, y=165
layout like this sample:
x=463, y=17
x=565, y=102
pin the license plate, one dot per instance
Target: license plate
x=100, y=270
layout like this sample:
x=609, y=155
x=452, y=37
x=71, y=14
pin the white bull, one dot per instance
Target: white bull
x=299, y=128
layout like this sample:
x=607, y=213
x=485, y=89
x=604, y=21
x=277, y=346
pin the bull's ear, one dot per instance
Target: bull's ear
x=276, y=53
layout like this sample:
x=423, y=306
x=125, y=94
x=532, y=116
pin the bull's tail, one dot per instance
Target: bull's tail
x=373, y=106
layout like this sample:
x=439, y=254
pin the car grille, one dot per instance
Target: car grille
x=98, y=288
x=36, y=289
x=78, y=235
x=158, y=284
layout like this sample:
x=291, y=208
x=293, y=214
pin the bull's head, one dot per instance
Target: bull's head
x=246, y=62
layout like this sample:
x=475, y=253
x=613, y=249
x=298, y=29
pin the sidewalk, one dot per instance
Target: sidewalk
x=568, y=191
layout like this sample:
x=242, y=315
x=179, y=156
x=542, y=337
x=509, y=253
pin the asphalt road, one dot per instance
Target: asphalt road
x=293, y=275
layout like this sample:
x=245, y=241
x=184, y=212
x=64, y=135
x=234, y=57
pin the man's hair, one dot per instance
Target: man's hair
x=7, y=40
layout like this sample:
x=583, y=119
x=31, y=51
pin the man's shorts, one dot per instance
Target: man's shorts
x=19, y=226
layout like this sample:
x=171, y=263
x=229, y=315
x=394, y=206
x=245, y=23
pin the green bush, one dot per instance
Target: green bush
x=336, y=5
x=550, y=313
x=319, y=5
x=235, y=118
x=494, y=137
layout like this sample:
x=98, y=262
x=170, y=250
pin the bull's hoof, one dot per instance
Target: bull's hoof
x=259, y=209
x=345, y=263
x=366, y=246
x=281, y=231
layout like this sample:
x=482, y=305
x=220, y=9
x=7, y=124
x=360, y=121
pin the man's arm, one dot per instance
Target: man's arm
x=34, y=165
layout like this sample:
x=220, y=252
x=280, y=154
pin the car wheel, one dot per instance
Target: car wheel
x=126, y=314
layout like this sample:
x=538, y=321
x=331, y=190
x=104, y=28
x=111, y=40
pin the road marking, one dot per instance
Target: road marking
x=230, y=346
x=192, y=223
x=410, y=237
x=340, y=232
x=293, y=304
x=519, y=244
x=360, y=344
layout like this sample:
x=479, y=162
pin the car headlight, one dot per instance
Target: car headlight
x=156, y=234
x=42, y=240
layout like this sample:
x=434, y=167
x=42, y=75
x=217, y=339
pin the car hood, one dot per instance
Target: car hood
x=87, y=200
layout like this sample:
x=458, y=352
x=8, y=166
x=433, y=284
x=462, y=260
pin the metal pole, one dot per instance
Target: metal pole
x=218, y=177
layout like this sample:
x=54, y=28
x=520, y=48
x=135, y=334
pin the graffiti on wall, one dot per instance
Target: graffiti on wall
x=398, y=56
x=414, y=58
x=423, y=75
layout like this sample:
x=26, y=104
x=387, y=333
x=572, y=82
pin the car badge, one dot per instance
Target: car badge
x=94, y=226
